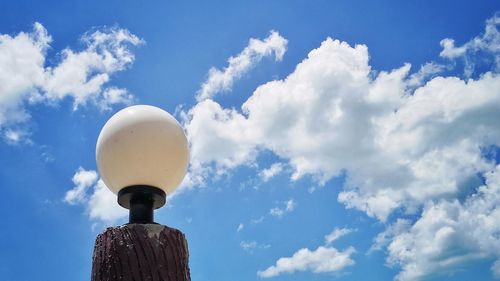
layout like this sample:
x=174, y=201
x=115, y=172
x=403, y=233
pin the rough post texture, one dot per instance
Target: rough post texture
x=140, y=252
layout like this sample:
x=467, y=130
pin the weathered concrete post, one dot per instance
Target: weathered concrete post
x=142, y=156
x=140, y=252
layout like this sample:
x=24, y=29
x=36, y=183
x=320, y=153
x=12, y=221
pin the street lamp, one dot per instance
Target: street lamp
x=142, y=156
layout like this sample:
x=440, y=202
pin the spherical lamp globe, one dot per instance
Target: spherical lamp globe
x=142, y=149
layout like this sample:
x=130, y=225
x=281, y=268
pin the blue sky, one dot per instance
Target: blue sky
x=330, y=140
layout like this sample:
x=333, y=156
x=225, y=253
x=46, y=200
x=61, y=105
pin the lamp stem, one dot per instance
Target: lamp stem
x=141, y=200
x=141, y=209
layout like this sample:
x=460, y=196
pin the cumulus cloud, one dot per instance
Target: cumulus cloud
x=83, y=180
x=15, y=136
x=222, y=80
x=102, y=205
x=495, y=268
x=330, y=116
x=22, y=59
x=270, y=172
x=251, y=245
x=405, y=141
x=99, y=201
x=489, y=41
x=336, y=234
x=288, y=207
x=425, y=72
x=112, y=96
x=277, y=115
x=257, y=220
x=321, y=260
x=248, y=245
x=81, y=75
x=448, y=234
x=384, y=238
x=240, y=227
x=487, y=46
x=214, y=134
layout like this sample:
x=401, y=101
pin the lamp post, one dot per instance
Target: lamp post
x=142, y=156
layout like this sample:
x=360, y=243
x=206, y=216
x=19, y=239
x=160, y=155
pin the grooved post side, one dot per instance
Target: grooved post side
x=140, y=252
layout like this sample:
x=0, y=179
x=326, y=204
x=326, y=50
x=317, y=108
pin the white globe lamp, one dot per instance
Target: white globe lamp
x=142, y=156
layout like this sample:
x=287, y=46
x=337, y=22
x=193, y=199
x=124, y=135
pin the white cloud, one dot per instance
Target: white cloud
x=99, y=201
x=384, y=238
x=449, y=49
x=248, y=245
x=22, y=60
x=112, y=96
x=215, y=136
x=282, y=116
x=330, y=105
x=426, y=71
x=240, y=227
x=495, y=268
x=404, y=141
x=83, y=180
x=222, y=80
x=399, y=148
x=257, y=221
x=270, y=172
x=16, y=136
x=336, y=234
x=81, y=75
x=448, y=234
x=251, y=245
x=288, y=207
x=489, y=40
x=487, y=46
x=103, y=206
x=321, y=260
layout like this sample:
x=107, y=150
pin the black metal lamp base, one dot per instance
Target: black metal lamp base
x=141, y=200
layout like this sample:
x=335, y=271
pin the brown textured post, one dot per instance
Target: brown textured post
x=140, y=252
